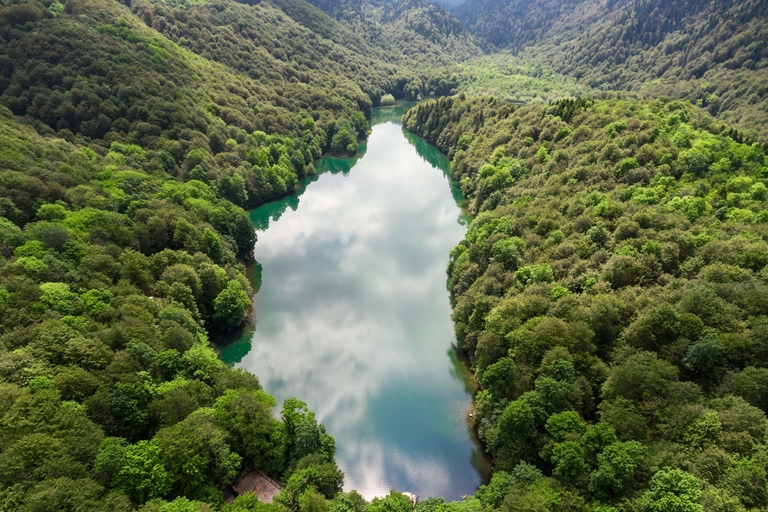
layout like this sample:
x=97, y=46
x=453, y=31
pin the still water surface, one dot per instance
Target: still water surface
x=353, y=317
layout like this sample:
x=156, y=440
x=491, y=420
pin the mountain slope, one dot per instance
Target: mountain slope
x=95, y=74
x=711, y=52
x=514, y=23
x=611, y=297
x=409, y=31
x=125, y=159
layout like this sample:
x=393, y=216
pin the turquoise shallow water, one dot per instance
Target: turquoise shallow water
x=353, y=316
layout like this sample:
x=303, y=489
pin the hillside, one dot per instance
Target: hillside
x=284, y=41
x=610, y=294
x=411, y=31
x=512, y=78
x=710, y=52
x=110, y=279
x=516, y=23
x=126, y=158
x=93, y=73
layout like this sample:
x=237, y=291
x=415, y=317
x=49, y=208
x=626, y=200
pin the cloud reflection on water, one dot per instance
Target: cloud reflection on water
x=354, y=319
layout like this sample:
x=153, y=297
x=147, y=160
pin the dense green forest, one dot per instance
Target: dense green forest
x=415, y=30
x=131, y=139
x=611, y=295
x=521, y=81
x=711, y=52
x=110, y=280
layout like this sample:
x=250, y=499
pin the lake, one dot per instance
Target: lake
x=353, y=316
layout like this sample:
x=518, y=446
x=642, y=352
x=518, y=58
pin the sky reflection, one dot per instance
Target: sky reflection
x=353, y=317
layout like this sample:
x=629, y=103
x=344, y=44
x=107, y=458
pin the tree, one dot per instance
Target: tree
x=246, y=416
x=492, y=495
x=525, y=474
x=180, y=504
x=747, y=480
x=640, y=376
x=64, y=494
x=561, y=425
x=544, y=494
x=499, y=378
x=177, y=399
x=344, y=143
x=704, y=357
x=596, y=439
x=230, y=306
x=615, y=475
x=142, y=475
x=196, y=455
x=568, y=460
x=393, y=502
x=514, y=432
x=303, y=434
x=310, y=484
x=509, y=252
x=212, y=244
x=674, y=490
x=202, y=363
x=57, y=296
x=359, y=123
x=349, y=502
x=110, y=459
x=213, y=279
x=752, y=385
x=555, y=394
x=325, y=476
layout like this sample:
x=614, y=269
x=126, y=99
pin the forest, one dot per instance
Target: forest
x=709, y=52
x=610, y=293
x=611, y=296
x=126, y=161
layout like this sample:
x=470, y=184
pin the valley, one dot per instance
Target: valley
x=351, y=276
x=592, y=174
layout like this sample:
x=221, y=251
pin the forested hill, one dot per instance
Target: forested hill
x=515, y=23
x=611, y=295
x=712, y=52
x=181, y=79
x=94, y=73
x=420, y=31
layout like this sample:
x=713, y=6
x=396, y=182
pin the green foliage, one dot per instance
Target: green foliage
x=568, y=460
x=674, y=490
x=610, y=291
x=393, y=502
x=708, y=52
x=116, y=263
x=180, y=505
x=201, y=362
x=607, y=298
x=615, y=475
x=562, y=424
x=142, y=475
x=499, y=378
x=516, y=428
x=515, y=78
x=230, y=306
x=303, y=434
x=493, y=494
x=247, y=417
x=410, y=31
